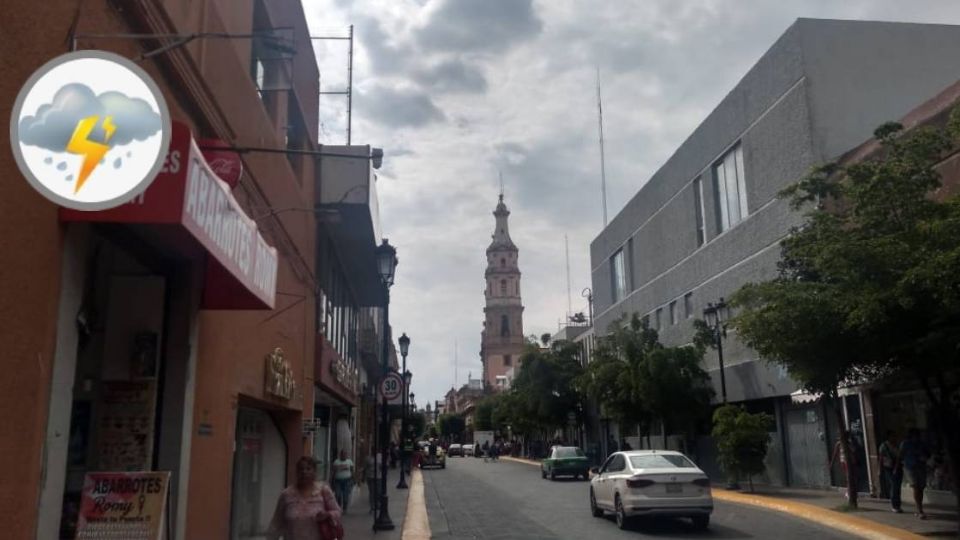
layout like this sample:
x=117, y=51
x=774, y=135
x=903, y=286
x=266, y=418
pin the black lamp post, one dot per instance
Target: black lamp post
x=386, y=266
x=404, y=342
x=715, y=315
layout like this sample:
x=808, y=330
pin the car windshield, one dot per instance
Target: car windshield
x=568, y=452
x=661, y=461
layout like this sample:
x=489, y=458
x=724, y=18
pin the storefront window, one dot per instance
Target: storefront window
x=259, y=473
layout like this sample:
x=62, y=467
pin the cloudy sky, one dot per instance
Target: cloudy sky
x=456, y=91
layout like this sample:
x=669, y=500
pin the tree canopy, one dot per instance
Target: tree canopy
x=868, y=286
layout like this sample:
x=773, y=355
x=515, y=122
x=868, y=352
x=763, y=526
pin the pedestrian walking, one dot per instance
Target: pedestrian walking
x=891, y=471
x=913, y=456
x=343, y=479
x=305, y=507
x=371, y=469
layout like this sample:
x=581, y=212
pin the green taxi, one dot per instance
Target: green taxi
x=565, y=461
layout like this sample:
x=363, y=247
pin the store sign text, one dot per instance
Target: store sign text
x=279, y=376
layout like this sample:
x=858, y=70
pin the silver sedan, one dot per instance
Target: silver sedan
x=651, y=483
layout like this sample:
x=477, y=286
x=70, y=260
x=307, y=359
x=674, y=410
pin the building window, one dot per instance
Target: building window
x=629, y=267
x=503, y=287
x=730, y=188
x=504, y=326
x=657, y=318
x=503, y=263
x=507, y=360
x=674, y=316
x=688, y=305
x=698, y=210
x=618, y=278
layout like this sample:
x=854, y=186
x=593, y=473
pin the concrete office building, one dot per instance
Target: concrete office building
x=708, y=220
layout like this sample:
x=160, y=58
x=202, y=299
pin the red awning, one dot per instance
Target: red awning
x=241, y=267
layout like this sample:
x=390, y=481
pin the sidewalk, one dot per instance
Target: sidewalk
x=941, y=521
x=358, y=521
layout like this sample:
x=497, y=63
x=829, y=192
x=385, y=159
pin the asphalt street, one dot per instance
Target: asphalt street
x=508, y=500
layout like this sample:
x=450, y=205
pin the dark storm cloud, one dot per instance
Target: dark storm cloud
x=398, y=108
x=480, y=25
x=452, y=76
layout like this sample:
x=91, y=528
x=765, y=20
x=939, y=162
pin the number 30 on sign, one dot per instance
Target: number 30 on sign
x=391, y=386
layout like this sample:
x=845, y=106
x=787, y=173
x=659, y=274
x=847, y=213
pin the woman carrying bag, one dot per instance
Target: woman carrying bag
x=306, y=510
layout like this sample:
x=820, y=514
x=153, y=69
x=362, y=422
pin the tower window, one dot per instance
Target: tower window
x=507, y=361
x=503, y=287
x=504, y=326
x=503, y=262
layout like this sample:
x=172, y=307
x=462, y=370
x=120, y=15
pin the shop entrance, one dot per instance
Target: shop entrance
x=116, y=406
x=259, y=473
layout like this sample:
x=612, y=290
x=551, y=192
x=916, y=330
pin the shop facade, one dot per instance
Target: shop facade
x=142, y=338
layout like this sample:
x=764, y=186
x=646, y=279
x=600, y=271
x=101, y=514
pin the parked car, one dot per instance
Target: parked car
x=455, y=450
x=565, y=461
x=650, y=483
x=432, y=456
x=467, y=450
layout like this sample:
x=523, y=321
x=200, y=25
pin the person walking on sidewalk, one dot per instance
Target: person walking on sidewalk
x=304, y=506
x=370, y=470
x=891, y=471
x=913, y=456
x=343, y=479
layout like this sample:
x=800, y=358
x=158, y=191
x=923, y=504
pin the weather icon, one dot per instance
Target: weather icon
x=90, y=130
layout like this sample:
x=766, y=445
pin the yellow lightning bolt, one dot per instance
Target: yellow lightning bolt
x=91, y=151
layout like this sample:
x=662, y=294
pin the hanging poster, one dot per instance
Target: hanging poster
x=125, y=425
x=123, y=505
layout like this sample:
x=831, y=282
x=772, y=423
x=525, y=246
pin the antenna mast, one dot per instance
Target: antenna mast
x=456, y=377
x=349, y=90
x=603, y=167
x=566, y=247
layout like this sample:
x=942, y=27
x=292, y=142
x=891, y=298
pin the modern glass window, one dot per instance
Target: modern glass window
x=674, y=316
x=618, y=276
x=730, y=188
x=698, y=210
x=688, y=305
x=629, y=267
x=658, y=318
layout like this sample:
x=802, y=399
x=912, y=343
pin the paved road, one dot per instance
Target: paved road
x=506, y=500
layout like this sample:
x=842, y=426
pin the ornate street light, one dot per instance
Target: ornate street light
x=716, y=316
x=404, y=342
x=386, y=266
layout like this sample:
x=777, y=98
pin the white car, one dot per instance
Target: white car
x=651, y=483
x=467, y=450
x=454, y=450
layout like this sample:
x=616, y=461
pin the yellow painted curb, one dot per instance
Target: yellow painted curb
x=416, y=524
x=521, y=460
x=863, y=528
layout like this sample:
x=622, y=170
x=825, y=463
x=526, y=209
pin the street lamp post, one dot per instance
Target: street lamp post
x=404, y=342
x=715, y=315
x=386, y=266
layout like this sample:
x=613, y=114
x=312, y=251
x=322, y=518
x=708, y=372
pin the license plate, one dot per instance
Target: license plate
x=674, y=488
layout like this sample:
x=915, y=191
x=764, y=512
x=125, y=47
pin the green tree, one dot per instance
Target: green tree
x=452, y=426
x=543, y=392
x=638, y=381
x=416, y=425
x=742, y=440
x=483, y=414
x=869, y=286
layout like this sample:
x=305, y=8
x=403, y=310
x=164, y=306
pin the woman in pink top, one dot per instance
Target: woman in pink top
x=303, y=506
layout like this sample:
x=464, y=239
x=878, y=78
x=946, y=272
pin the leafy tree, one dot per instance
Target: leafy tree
x=452, y=426
x=742, y=440
x=638, y=381
x=483, y=414
x=545, y=339
x=869, y=286
x=416, y=425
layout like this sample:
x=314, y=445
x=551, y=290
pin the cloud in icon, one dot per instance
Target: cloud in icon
x=54, y=123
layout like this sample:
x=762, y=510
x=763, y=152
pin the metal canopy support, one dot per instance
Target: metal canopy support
x=349, y=90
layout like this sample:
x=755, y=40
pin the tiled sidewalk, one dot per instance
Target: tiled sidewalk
x=358, y=521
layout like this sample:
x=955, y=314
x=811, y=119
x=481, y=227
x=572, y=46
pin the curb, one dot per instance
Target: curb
x=861, y=527
x=416, y=524
x=857, y=526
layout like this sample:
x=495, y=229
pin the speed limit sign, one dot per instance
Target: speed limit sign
x=391, y=386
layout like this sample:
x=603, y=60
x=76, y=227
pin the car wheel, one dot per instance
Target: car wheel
x=543, y=474
x=553, y=475
x=701, y=522
x=594, y=509
x=622, y=520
